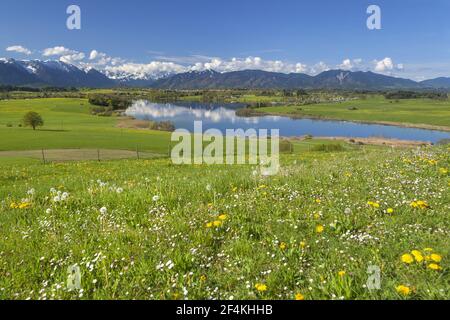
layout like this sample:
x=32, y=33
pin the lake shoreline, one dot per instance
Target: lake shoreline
x=384, y=123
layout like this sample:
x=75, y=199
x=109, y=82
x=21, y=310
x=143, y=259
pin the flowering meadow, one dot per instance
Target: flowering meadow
x=146, y=229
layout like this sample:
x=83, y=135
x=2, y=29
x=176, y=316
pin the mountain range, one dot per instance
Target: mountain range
x=37, y=73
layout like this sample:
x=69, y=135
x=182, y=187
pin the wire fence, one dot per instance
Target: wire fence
x=67, y=155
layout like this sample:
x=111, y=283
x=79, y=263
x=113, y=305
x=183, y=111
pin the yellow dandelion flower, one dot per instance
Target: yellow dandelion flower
x=261, y=287
x=428, y=249
x=404, y=290
x=342, y=273
x=320, y=228
x=373, y=204
x=223, y=217
x=420, y=204
x=434, y=266
x=203, y=278
x=299, y=297
x=443, y=171
x=436, y=258
x=283, y=245
x=209, y=225
x=217, y=223
x=318, y=201
x=407, y=258
x=417, y=255
x=302, y=244
x=390, y=210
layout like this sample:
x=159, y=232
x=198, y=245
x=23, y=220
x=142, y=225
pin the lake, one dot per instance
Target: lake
x=223, y=116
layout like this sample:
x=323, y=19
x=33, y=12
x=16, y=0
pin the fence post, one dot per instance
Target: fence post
x=137, y=152
x=43, y=156
x=98, y=155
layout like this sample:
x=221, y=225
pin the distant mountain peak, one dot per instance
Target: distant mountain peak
x=59, y=73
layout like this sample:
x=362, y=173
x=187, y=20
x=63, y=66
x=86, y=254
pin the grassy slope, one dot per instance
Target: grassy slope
x=68, y=124
x=420, y=111
x=119, y=251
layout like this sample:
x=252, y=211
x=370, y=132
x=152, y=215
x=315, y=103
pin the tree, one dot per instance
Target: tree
x=33, y=119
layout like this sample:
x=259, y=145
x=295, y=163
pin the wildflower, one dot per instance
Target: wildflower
x=203, y=278
x=14, y=205
x=428, y=249
x=283, y=246
x=436, y=258
x=407, y=258
x=434, y=266
x=209, y=225
x=420, y=204
x=417, y=255
x=103, y=210
x=223, y=217
x=155, y=198
x=318, y=201
x=302, y=244
x=261, y=287
x=299, y=297
x=341, y=273
x=319, y=228
x=217, y=223
x=390, y=210
x=404, y=290
x=119, y=190
x=348, y=211
x=24, y=205
x=48, y=211
x=373, y=204
x=443, y=171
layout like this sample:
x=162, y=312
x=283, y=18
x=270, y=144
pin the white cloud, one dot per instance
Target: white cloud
x=19, y=49
x=351, y=65
x=153, y=69
x=93, y=55
x=387, y=65
x=72, y=58
x=249, y=63
x=319, y=67
x=384, y=65
x=58, y=51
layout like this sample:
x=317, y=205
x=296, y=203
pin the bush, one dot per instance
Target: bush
x=328, y=147
x=162, y=126
x=9, y=125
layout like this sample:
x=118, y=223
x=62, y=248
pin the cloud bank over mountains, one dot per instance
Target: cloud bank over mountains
x=119, y=68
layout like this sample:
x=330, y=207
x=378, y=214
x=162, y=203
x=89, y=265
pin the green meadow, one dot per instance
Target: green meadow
x=69, y=124
x=416, y=112
x=149, y=229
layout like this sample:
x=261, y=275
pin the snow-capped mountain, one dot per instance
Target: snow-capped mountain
x=50, y=73
x=60, y=74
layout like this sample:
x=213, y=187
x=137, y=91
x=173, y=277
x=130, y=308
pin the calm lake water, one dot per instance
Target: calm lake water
x=223, y=116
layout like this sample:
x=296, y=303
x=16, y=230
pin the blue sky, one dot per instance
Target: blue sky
x=286, y=36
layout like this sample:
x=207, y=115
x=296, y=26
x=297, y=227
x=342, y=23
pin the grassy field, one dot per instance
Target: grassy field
x=68, y=124
x=418, y=112
x=146, y=229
